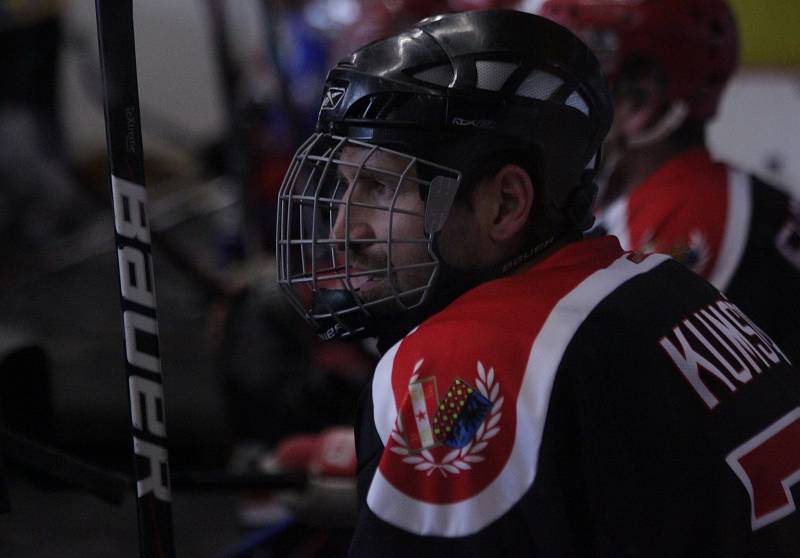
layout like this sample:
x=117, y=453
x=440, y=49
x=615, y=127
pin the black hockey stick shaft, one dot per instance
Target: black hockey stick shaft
x=137, y=285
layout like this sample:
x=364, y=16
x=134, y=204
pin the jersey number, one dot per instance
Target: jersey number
x=768, y=464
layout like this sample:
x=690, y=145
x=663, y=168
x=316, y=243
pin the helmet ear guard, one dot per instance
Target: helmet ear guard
x=441, y=195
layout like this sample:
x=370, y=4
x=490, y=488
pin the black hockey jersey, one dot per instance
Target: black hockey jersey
x=601, y=403
x=739, y=233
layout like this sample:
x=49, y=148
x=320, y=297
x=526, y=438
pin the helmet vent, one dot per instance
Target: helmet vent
x=493, y=74
x=577, y=101
x=539, y=85
x=376, y=106
x=438, y=75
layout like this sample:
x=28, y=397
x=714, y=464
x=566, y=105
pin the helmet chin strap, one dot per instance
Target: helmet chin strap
x=606, y=171
x=671, y=121
x=346, y=324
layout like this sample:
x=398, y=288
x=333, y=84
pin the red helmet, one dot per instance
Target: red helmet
x=694, y=42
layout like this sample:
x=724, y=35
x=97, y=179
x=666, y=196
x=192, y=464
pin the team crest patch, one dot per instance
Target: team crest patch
x=463, y=421
x=694, y=253
x=418, y=418
x=461, y=412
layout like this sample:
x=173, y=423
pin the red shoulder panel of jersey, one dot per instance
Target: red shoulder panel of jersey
x=681, y=210
x=692, y=209
x=460, y=403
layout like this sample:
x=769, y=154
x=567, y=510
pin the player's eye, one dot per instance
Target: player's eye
x=381, y=188
x=379, y=191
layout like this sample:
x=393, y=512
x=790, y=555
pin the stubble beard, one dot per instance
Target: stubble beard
x=378, y=286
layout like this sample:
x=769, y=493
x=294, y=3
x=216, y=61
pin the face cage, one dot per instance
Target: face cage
x=311, y=261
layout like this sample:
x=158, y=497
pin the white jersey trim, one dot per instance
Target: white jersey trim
x=737, y=229
x=473, y=514
x=383, y=402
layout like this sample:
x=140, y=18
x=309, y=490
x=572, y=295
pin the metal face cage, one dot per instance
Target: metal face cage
x=356, y=226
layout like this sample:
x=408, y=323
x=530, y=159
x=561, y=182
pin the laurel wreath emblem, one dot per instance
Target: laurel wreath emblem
x=459, y=459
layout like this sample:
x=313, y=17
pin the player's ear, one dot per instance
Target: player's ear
x=506, y=202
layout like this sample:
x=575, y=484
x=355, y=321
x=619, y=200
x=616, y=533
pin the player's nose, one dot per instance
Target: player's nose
x=350, y=227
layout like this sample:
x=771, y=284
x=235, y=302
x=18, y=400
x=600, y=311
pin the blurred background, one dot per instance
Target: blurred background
x=228, y=89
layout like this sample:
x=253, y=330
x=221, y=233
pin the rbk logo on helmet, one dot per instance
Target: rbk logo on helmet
x=480, y=123
x=333, y=96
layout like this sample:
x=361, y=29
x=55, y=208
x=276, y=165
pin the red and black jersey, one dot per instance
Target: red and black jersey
x=601, y=403
x=739, y=233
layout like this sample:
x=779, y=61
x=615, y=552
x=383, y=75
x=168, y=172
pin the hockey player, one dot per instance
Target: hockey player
x=539, y=394
x=669, y=61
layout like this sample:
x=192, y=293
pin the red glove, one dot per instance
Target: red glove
x=331, y=453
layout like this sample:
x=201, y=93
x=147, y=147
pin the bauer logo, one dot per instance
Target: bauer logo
x=333, y=96
x=331, y=332
x=142, y=356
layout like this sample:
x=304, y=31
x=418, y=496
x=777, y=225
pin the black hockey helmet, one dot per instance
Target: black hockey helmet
x=496, y=77
x=444, y=94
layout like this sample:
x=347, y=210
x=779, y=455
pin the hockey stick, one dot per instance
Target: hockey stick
x=137, y=286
